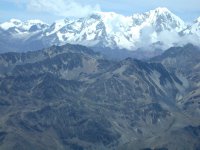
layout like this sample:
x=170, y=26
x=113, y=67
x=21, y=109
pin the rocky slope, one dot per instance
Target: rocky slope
x=69, y=97
x=185, y=61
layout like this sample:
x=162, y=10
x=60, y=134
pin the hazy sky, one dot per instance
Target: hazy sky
x=50, y=10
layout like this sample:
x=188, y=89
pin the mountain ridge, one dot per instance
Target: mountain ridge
x=63, y=93
x=106, y=30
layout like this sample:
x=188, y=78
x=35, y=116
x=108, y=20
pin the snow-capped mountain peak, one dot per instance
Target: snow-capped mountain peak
x=37, y=24
x=193, y=29
x=160, y=10
x=19, y=26
x=35, y=21
x=161, y=19
x=114, y=22
x=108, y=29
x=11, y=23
x=56, y=26
x=197, y=20
x=15, y=21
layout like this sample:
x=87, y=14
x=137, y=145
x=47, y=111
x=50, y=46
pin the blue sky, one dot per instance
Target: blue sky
x=50, y=10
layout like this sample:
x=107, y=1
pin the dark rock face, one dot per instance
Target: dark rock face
x=180, y=58
x=70, y=97
x=2, y=136
x=185, y=61
x=195, y=131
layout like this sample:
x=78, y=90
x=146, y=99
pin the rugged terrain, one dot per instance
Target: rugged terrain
x=109, y=32
x=69, y=97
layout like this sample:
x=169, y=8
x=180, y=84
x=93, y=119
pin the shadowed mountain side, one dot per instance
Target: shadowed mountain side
x=70, y=97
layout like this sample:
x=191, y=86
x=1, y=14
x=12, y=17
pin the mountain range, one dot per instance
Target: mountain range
x=157, y=29
x=70, y=97
x=105, y=82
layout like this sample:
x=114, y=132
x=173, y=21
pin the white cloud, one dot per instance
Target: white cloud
x=62, y=8
x=167, y=38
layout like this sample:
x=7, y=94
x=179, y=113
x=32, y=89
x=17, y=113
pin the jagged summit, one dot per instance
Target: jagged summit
x=161, y=19
x=11, y=23
x=161, y=10
x=198, y=19
x=23, y=26
x=15, y=20
x=109, y=29
x=194, y=30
